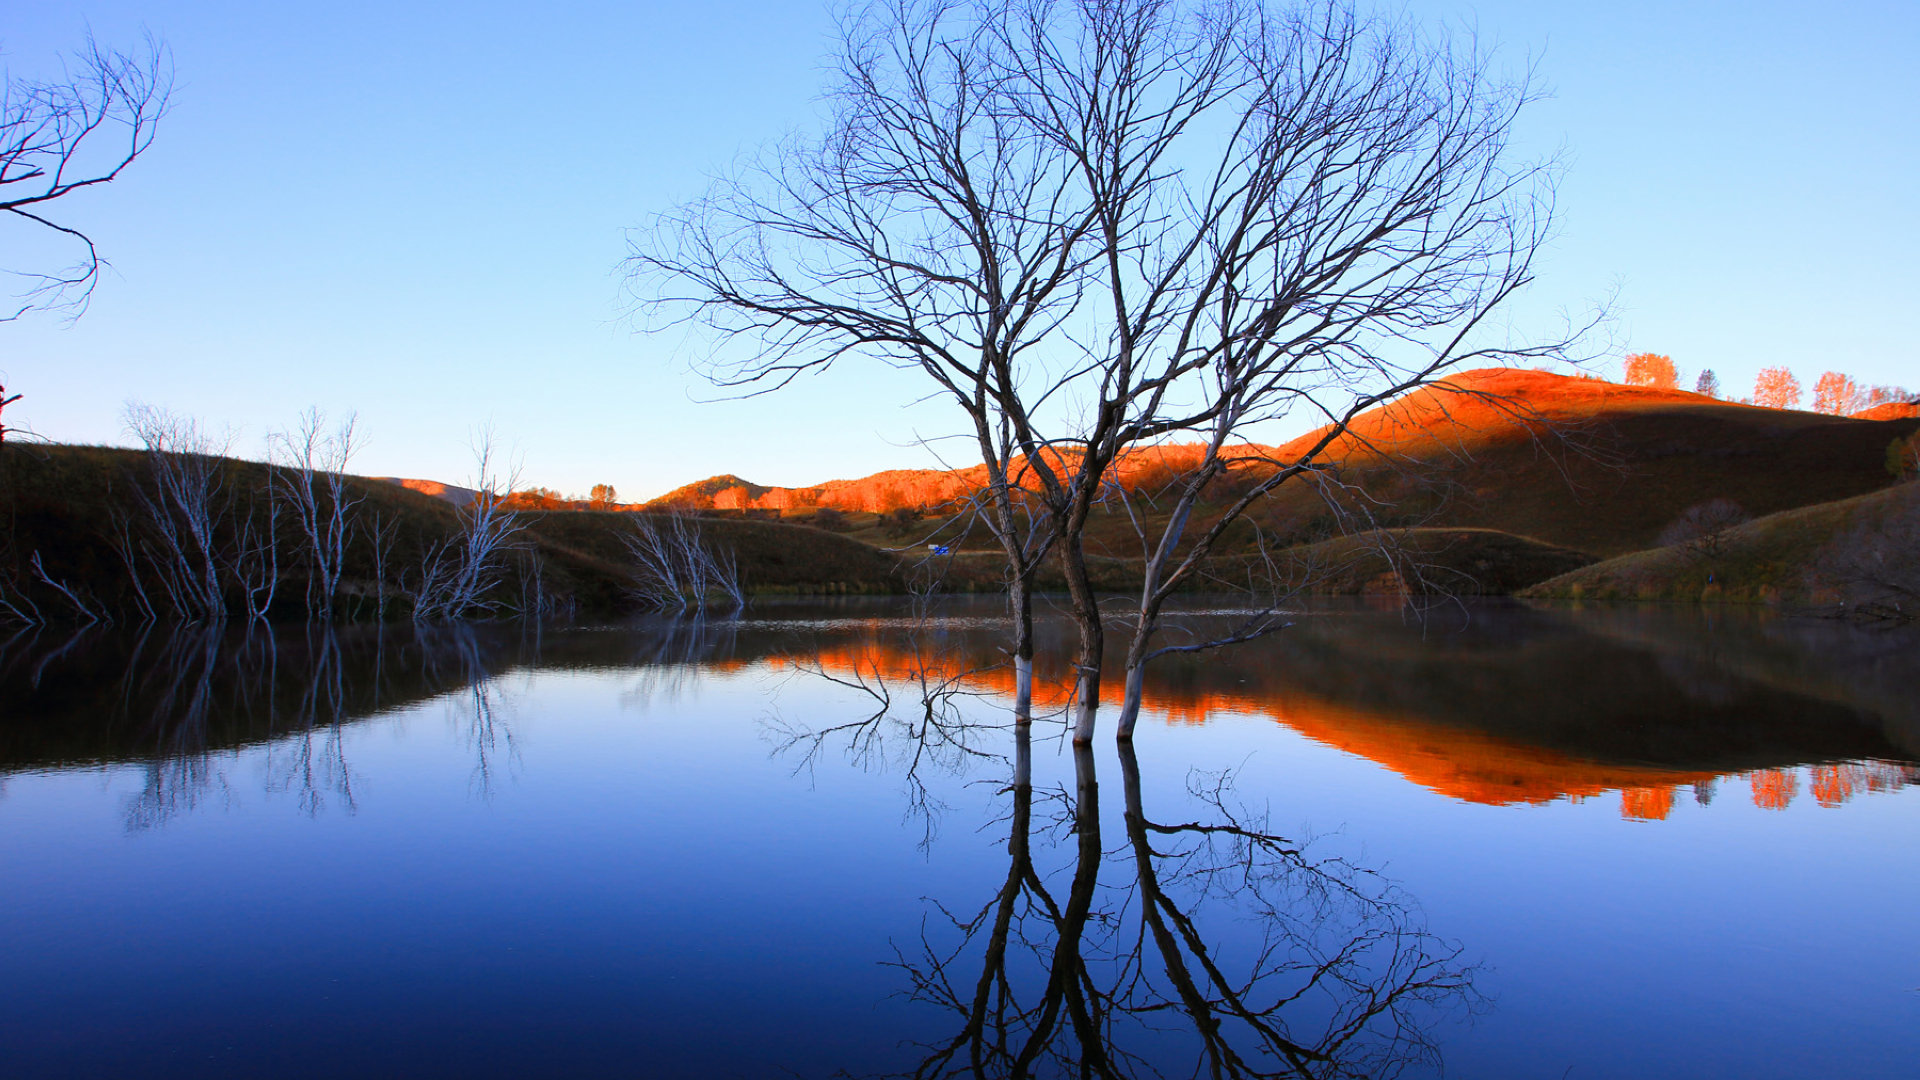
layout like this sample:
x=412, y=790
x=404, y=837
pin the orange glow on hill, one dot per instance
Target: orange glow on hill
x=1471, y=408
x=1496, y=404
x=1892, y=410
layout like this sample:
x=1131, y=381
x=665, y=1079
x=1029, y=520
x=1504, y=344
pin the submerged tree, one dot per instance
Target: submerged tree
x=1099, y=225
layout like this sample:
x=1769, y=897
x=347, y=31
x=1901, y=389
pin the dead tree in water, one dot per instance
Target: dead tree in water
x=675, y=567
x=456, y=577
x=4, y=402
x=180, y=506
x=1100, y=225
x=311, y=480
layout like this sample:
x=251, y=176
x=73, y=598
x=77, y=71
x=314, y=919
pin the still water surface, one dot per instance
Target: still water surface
x=1503, y=843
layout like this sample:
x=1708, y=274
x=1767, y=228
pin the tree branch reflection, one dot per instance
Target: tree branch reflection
x=1221, y=949
x=919, y=723
x=181, y=702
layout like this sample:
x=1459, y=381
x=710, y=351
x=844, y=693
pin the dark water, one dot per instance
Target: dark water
x=1505, y=843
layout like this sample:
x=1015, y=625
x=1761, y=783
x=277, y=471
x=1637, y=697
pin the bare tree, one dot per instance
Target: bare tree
x=456, y=577
x=1776, y=388
x=1837, y=394
x=1701, y=530
x=1103, y=224
x=675, y=567
x=78, y=131
x=180, y=506
x=4, y=402
x=311, y=480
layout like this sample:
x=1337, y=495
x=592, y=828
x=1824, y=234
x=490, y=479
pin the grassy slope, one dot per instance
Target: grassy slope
x=1795, y=556
x=59, y=501
x=1574, y=463
x=1429, y=561
x=1600, y=467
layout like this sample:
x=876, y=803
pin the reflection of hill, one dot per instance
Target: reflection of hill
x=135, y=696
x=1519, y=707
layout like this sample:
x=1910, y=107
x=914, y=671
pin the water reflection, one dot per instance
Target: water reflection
x=179, y=702
x=1521, y=706
x=1515, y=706
x=660, y=860
x=1205, y=946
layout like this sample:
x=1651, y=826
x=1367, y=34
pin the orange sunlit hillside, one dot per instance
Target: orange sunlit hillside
x=1892, y=410
x=1579, y=463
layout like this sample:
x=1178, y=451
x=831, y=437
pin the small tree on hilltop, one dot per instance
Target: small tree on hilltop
x=1837, y=395
x=1652, y=369
x=602, y=496
x=1776, y=388
x=1708, y=383
x=1882, y=395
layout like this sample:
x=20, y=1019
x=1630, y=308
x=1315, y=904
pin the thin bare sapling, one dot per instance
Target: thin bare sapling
x=310, y=481
x=456, y=576
x=675, y=567
x=179, y=506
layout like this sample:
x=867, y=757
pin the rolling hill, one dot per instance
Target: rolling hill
x=1574, y=463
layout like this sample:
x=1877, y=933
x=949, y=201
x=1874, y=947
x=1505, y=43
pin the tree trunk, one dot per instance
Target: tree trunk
x=1020, y=605
x=1093, y=639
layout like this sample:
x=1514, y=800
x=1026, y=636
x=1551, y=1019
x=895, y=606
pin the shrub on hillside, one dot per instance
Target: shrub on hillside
x=1700, y=530
x=901, y=521
x=829, y=519
x=1872, y=563
x=1903, y=457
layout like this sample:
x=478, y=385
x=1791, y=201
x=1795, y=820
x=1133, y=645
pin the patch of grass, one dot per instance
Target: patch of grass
x=1802, y=556
x=1418, y=562
x=62, y=503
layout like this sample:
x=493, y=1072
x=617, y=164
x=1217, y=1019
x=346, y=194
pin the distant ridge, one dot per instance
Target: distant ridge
x=1891, y=410
x=1572, y=461
x=458, y=496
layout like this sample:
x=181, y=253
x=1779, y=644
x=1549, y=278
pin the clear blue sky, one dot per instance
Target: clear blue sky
x=419, y=214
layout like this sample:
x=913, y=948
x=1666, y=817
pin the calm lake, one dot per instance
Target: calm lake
x=1499, y=842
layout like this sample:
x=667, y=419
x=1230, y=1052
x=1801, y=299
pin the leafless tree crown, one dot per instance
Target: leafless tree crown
x=1102, y=224
x=63, y=135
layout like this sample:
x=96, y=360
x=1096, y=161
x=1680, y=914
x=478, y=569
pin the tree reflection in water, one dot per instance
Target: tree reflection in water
x=181, y=702
x=1202, y=947
x=919, y=726
x=671, y=653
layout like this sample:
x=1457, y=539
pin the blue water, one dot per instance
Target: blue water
x=659, y=850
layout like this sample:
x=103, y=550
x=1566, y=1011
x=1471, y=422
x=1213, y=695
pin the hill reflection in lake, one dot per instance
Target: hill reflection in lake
x=812, y=839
